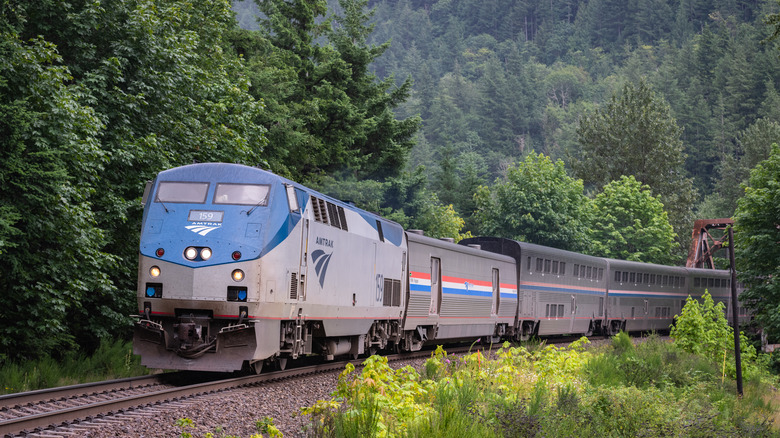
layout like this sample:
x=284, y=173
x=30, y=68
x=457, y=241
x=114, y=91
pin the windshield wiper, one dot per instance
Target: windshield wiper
x=253, y=208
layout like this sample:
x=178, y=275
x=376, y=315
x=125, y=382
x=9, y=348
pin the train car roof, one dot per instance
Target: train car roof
x=628, y=264
x=444, y=244
x=509, y=246
x=711, y=272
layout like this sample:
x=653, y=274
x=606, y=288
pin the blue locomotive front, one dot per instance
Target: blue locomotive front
x=207, y=229
x=240, y=267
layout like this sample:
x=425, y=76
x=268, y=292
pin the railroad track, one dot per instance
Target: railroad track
x=55, y=412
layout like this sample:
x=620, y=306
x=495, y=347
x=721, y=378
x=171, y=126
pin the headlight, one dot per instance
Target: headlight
x=154, y=271
x=205, y=253
x=238, y=275
x=190, y=253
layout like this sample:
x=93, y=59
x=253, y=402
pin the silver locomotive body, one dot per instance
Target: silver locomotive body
x=285, y=272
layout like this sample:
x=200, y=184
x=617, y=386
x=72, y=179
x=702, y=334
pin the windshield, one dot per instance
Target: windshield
x=182, y=192
x=242, y=194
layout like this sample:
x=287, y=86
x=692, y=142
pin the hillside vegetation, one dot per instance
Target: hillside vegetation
x=440, y=115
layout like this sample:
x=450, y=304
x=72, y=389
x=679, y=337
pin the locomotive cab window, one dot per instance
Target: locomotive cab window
x=182, y=192
x=242, y=194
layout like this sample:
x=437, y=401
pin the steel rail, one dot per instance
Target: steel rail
x=8, y=401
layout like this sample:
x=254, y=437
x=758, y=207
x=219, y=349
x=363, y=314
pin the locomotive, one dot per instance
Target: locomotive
x=239, y=267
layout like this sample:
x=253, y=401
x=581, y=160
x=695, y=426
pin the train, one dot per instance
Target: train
x=241, y=268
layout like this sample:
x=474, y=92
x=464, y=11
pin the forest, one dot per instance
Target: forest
x=601, y=126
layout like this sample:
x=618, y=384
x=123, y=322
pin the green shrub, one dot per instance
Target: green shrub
x=622, y=343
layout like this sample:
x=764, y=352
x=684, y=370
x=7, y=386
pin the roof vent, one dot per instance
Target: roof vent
x=447, y=239
x=475, y=246
x=418, y=232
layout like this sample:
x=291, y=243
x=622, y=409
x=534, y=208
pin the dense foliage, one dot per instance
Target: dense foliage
x=757, y=242
x=328, y=112
x=635, y=134
x=495, y=80
x=97, y=97
x=424, y=110
x=539, y=203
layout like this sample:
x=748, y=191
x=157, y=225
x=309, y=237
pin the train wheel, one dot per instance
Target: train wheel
x=256, y=367
x=590, y=329
x=281, y=363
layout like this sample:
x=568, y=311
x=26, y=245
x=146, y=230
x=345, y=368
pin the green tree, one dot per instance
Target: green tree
x=162, y=91
x=701, y=328
x=439, y=220
x=328, y=112
x=634, y=133
x=537, y=202
x=52, y=263
x=382, y=143
x=753, y=146
x=756, y=239
x=629, y=223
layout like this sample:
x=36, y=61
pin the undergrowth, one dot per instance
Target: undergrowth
x=648, y=390
x=112, y=360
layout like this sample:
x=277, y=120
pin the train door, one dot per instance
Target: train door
x=378, y=277
x=573, y=315
x=496, y=293
x=528, y=303
x=435, y=286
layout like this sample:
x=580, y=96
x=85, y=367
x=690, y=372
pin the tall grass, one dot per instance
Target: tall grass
x=457, y=414
x=112, y=360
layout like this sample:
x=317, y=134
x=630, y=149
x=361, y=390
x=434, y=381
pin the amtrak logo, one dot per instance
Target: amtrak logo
x=321, y=261
x=202, y=228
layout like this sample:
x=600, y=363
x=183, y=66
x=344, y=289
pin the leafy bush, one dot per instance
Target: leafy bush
x=702, y=328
